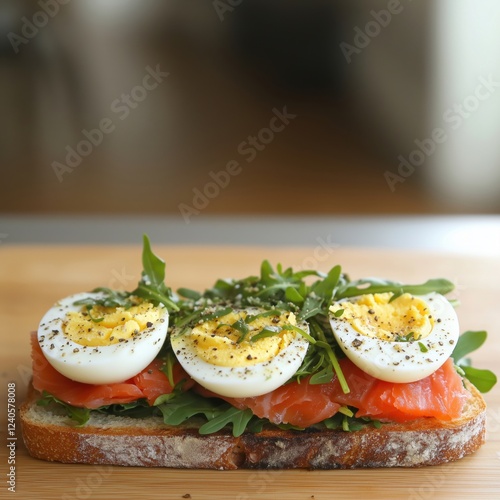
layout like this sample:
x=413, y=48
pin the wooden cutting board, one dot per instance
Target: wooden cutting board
x=32, y=278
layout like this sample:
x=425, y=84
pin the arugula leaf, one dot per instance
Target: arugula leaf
x=151, y=287
x=216, y=314
x=168, y=367
x=268, y=331
x=349, y=423
x=467, y=342
x=231, y=415
x=152, y=284
x=293, y=295
x=153, y=266
x=189, y=294
x=178, y=407
x=135, y=409
x=251, y=318
x=110, y=298
x=311, y=307
x=266, y=272
x=304, y=334
x=79, y=415
x=323, y=343
x=484, y=380
x=364, y=286
x=324, y=288
x=241, y=327
x=323, y=376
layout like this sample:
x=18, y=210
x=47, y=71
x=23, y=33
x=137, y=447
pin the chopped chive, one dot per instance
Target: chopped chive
x=304, y=334
x=273, y=312
x=423, y=347
x=268, y=331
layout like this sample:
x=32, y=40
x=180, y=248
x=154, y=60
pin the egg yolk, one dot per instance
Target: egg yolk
x=374, y=315
x=109, y=325
x=217, y=342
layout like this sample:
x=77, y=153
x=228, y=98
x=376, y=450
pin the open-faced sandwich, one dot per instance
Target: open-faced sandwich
x=282, y=370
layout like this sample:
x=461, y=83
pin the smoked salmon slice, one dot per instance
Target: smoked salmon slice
x=297, y=403
x=440, y=395
x=149, y=384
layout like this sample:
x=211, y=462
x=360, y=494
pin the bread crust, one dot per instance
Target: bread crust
x=149, y=442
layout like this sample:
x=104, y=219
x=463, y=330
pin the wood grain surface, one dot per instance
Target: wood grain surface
x=32, y=278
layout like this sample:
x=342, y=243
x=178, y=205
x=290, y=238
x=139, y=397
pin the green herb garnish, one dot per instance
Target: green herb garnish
x=151, y=287
x=468, y=342
x=423, y=347
x=79, y=415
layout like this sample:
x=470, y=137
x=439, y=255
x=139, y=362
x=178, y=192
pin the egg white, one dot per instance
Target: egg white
x=97, y=364
x=245, y=381
x=402, y=361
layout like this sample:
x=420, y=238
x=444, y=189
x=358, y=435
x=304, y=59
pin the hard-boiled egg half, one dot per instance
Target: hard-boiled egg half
x=245, y=353
x=400, y=340
x=104, y=345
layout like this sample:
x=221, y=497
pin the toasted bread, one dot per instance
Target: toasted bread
x=49, y=435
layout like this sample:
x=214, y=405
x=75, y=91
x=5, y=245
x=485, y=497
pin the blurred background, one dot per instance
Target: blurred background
x=184, y=107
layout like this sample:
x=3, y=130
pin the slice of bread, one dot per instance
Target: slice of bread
x=49, y=435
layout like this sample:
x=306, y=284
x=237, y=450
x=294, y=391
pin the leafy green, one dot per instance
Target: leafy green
x=313, y=305
x=79, y=415
x=423, y=347
x=189, y=294
x=293, y=295
x=468, y=342
x=240, y=326
x=323, y=343
x=178, y=407
x=364, y=286
x=110, y=298
x=268, y=331
x=484, y=380
x=325, y=288
x=152, y=284
x=168, y=366
x=346, y=421
x=135, y=409
x=151, y=287
x=251, y=318
x=239, y=420
x=338, y=313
